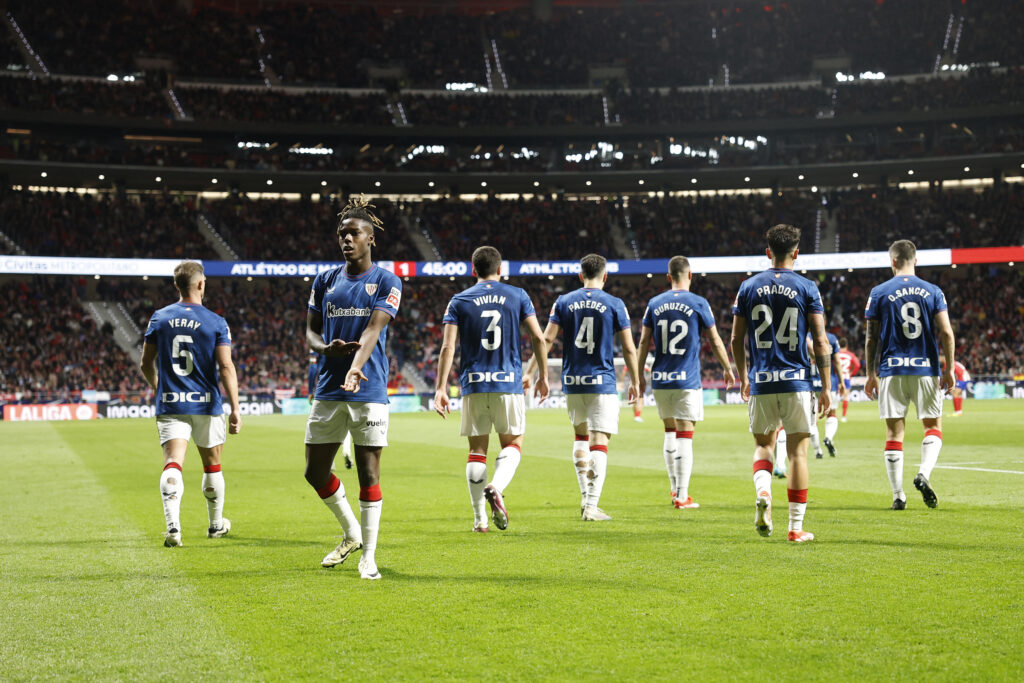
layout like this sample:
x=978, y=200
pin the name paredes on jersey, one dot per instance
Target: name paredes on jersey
x=490, y=299
x=674, y=306
x=768, y=290
x=909, y=291
x=583, y=304
x=350, y=312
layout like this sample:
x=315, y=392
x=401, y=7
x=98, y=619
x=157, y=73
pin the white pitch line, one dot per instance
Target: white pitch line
x=978, y=469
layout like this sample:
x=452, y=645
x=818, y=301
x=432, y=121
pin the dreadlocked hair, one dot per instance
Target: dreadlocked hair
x=359, y=207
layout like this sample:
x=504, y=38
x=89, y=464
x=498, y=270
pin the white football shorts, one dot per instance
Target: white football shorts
x=792, y=410
x=599, y=411
x=206, y=430
x=681, y=404
x=897, y=392
x=331, y=421
x=505, y=413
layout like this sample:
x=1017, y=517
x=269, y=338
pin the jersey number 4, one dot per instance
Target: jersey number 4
x=787, y=334
x=585, y=335
x=181, y=352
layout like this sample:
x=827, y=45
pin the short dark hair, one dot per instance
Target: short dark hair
x=185, y=274
x=678, y=266
x=359, y=207
x=486, y=261
x=783, y=239
x=843, y=342
x=902, y=252
x=592, y=265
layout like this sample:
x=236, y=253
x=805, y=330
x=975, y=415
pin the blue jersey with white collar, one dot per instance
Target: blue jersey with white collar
x=905, y=308
x=590, y=319
x=488, y=315
x=345, y=303
x=777, y=304
x=186, y=337
x=677, y=318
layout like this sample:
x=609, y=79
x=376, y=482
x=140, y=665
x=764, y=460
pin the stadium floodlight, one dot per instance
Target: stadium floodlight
x=323, y=183
x=967, y=169
x=213, y=181
x=376, y=183
x=43, y=174
x=483, y=183
x=910, y=172
x=855, y=174
x=95, y=277
x=159, y=179
x=746, y=179
x=430, y=184
x=800, y=177
x=814, y=188
x=693, y=181
x=641, y=181
x=270, y=182
x=589, y=183
x=536, y=183
x=102, y=177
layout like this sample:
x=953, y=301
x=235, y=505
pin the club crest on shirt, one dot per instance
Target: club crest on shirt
x=371, y=288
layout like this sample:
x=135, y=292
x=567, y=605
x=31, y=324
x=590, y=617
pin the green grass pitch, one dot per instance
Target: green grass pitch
x=88, y=592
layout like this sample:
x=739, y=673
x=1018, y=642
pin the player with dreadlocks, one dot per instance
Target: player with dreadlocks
x=349, y=310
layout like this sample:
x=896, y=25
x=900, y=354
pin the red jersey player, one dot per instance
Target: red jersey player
x=851, y=366
x=962, y=377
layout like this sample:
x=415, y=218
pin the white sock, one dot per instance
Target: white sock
x=930, y=448
x=669, y=451
x=339, y=505
x=763, y=481
x=831, y=427
x=815, y=442
x=596, y=474
x=476, y=478
x=581, y=460
x=894, y=467
x=369, y=521
x=505, y=467
x=796, y=516
x=172, y=488
x=213, y=489
x=684, y=465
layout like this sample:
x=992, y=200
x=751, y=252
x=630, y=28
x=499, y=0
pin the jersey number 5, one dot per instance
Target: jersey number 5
x=787, y=333
x=181, y=352
x=494, y=340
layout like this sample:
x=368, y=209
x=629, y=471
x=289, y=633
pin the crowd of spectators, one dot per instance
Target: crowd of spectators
x=652, y=45
x=113, y=224
x=90, y=97
x=260, y=106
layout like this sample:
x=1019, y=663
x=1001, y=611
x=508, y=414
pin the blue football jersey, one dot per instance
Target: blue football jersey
x=590, y=319
x=905, y=308
x=777, y=304
x=677, y=318
x=186, y=337
x=488, y=315
x=346, y=303
x=833, y=345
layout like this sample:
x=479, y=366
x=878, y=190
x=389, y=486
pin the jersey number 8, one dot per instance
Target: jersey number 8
x=911, y=314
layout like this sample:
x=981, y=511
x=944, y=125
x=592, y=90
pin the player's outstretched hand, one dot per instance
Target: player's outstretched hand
x=234, y=422
x=634, y=395
x=871, y=387
x=948, y=381
x=442, y=406
x=542, y=390
x=824, y=403
x=730, y=378
x=353, y=380
x=745, y=389
x=339, y=348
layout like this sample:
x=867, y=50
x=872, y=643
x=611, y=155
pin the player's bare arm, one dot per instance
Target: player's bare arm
x=871, y=358
x=630, y=357
x=643, y=349
x=315, y=339
x=540, y=356
x=823, y=361
x=718, y=347
x=367, y=342
x=148, y=364
x=840, y=374
x=229, y=380
x=550, y=335
x=739, y=353
x=445, y=359
x=947, y=342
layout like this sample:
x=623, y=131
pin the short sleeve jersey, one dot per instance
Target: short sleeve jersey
x=777, y=305
x=833, y=346
x=186, y=337
x=488, y=315
x=905, y=308
x=345, y=304
x=677, y=319
x=590, y=319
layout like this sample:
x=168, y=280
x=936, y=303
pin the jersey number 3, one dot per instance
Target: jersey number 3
x=492, y=335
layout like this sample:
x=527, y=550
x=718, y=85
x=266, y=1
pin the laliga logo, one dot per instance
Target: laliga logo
x=475, y=377
x=779, y=375
x=585, y=380
x=185, y=397
x=909, y=363
x=662, y=376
